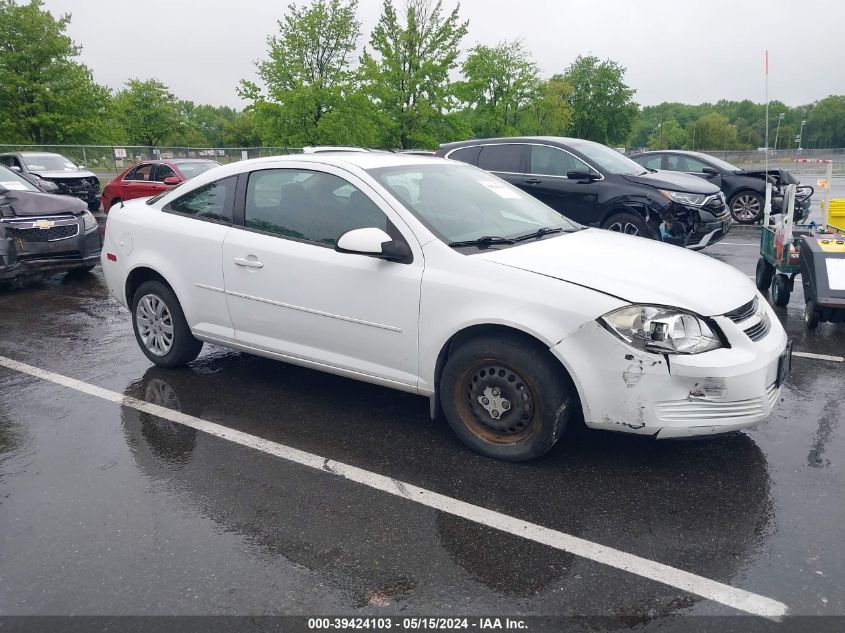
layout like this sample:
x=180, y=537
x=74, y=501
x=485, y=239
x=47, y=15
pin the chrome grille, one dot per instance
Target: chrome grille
x=759, y=330
x=708, y=411
x=743, y=312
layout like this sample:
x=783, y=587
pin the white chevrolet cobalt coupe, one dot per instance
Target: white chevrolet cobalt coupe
x=437, y=278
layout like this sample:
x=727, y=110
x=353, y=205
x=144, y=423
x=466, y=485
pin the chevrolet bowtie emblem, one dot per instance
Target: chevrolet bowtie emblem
x=43, y=224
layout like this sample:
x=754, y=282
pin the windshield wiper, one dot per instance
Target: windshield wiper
x=539, y=233
x=483, y=242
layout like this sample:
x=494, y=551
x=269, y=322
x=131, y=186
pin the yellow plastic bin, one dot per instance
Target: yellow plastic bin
x=836, y=215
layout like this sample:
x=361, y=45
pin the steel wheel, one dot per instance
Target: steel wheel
x=155, y=324
x=623, y=226
x=498, y=404
x=747, y=207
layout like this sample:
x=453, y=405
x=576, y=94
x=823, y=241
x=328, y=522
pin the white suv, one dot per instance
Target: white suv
x=440, y=279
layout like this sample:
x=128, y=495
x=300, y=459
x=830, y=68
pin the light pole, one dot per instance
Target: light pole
x=800, y=135
x=777, y=130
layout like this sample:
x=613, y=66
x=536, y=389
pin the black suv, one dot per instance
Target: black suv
x=595, y=185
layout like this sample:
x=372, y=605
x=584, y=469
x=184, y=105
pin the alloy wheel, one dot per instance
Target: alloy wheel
x=746, y=207
x=622, y=226
x=155, y=324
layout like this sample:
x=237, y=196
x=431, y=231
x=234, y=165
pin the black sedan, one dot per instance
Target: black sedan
x=744, y=189
x=42, y=234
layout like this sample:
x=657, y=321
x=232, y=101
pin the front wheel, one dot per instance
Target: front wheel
x=160, y=326
x=763, y=277
x=781, y=290
x=630, y=224
x=746, y=207
x=504, y=398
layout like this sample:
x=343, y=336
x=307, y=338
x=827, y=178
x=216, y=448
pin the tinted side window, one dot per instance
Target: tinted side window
x=551, y=161
x=162, y=172
x=505, y=157
x=6, y=160
x=210, y=202
x=466, y=154
x=141, y=172
x=695, y=165
x=308, y=205
x=652, y=162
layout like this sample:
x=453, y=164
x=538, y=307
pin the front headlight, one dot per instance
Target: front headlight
x=682, y=197
x=661, y=329
x=89, y=221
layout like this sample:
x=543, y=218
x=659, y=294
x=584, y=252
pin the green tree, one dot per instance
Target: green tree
x=310, y=78
x=241, y=131
x=148, y=112
x=549, y=112
x=826, y=122
x=46, y=96
x=668, y=135
x=408, y=72
x=713, y=131
x=500, y=83
x=602, y=104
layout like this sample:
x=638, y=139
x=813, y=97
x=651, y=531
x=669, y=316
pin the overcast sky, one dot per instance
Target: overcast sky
x=675, y=50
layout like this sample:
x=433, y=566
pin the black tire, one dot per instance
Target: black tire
x=501, y=371
x=780, y=290
x=811, y=315
x=182, y=347
x=630, y=224
x=746, y=206
x=94, y=205
x=114, y=202
x=764, y=275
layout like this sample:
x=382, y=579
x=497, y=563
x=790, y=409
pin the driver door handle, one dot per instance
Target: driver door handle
x=249, y=263
x=532, y=181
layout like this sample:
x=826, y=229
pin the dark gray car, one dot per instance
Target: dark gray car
x=42, y=234
x=54, y=170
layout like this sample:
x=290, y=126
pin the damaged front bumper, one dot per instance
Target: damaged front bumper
x=723, y=390
x=30, y=248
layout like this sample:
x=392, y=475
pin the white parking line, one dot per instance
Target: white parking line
x=737, y=243
x=685, y=581
x=835, y=359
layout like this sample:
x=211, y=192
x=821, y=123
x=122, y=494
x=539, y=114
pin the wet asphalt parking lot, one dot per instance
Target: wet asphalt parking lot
x=108, y=507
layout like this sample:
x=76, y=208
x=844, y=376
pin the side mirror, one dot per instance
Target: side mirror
x=582, y=175
x=172, y=180
x=15, y=168
x=82, y=166
x=375, y=243
x=709, y=171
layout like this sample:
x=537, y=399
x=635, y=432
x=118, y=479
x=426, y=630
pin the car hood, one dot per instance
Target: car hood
x=57, y=175
x=634, y=269
x=19, y=204
x=781, y=176
x=674, y=181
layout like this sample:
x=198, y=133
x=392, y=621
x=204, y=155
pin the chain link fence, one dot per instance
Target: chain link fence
x=108, y=160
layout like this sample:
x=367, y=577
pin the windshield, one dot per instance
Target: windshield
x=195, y=169
x=461, y=203
x=11, y=181
x=49, y=162
x=609, y=159
x=721, y=164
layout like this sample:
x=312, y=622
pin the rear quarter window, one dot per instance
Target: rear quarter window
x=467, y=155
x=502, y=158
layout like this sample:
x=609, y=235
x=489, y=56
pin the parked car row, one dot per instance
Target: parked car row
x=53, y=173
x=597, y=186
x=440, y=279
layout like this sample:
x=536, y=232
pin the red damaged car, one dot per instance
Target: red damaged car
x=151, y=177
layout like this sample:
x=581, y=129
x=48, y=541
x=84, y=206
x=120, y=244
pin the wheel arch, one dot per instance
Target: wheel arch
x=139, y=275
x=489, y=330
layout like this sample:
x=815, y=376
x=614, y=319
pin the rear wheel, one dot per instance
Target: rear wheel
x=746, y=207
x=505, y=398
x=781, y=290
x=114, y=202
x=160, y=326
x=765, y=272
x=811, y=315
x=630, y=224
